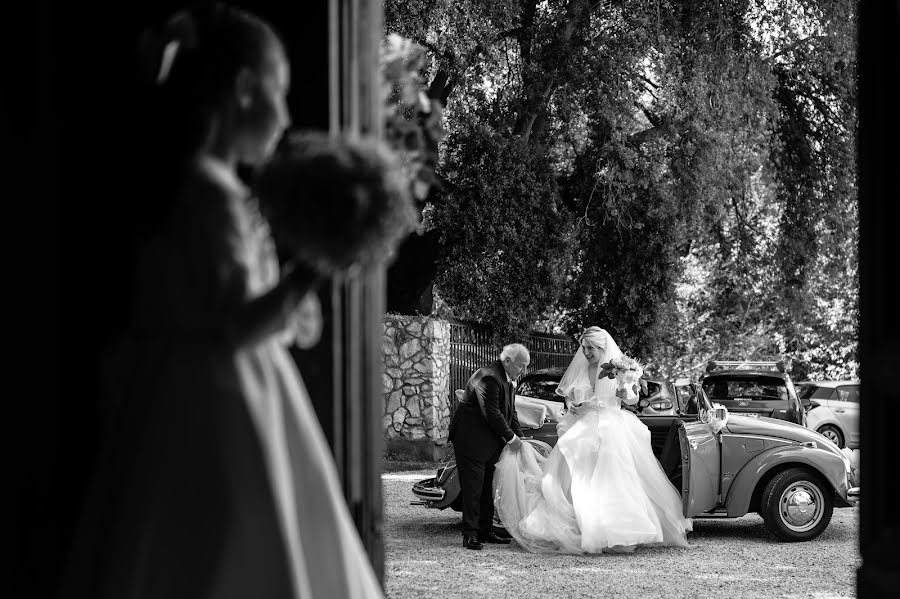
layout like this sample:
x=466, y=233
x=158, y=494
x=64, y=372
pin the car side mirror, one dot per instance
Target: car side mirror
x=813, y=404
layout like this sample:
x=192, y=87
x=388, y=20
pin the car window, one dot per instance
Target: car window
x=540, y=388
x=848, y=393
x=820, y=393
x=690, y=401
x=652, y=389
x=809, y=391
x=694, y=398
x=761, y=388
x=687, y=399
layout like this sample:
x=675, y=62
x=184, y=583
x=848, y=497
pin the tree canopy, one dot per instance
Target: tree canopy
x=680, y=173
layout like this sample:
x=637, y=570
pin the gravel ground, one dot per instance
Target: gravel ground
x=728, y=559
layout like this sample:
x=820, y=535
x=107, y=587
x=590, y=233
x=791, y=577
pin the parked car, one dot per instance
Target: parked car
x=660, y=397
x=790, y=475
x=538, y=388
x=833, y=410
x=754, y=389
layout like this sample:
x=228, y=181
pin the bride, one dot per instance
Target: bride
x=601, y=489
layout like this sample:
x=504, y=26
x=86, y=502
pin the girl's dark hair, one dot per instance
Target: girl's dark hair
x=188, y=65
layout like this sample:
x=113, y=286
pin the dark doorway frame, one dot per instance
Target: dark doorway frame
x=879, y=273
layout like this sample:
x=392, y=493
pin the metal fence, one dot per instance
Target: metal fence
x=548, y=351
x=471, y=348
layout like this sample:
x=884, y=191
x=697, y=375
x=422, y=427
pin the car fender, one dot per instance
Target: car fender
x=449, y=481
x=440, y=491
x=828, y=465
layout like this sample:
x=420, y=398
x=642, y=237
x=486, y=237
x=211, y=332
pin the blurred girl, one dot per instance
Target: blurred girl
x=216, y=479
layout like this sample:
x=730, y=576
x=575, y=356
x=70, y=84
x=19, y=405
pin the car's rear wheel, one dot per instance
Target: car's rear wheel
x=796, y=505
x=833, y=434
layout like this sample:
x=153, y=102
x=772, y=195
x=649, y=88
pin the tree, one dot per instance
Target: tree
x=663, y=145
x=506, y=243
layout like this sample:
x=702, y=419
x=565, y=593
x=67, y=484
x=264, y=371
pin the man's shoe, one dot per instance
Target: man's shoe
x=471, y=543
x=492, y=537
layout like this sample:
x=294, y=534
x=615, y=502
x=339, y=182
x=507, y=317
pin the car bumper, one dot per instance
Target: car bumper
x=428, y=492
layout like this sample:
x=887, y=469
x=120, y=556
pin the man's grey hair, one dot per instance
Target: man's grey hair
x=513, y=351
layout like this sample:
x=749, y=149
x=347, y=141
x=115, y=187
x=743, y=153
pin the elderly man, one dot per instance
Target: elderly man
x=484, y=422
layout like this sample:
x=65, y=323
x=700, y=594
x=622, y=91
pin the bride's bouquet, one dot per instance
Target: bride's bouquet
x=627, y=371
x=336, y=202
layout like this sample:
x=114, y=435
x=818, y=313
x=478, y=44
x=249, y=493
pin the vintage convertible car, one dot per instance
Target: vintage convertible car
x=726, y=465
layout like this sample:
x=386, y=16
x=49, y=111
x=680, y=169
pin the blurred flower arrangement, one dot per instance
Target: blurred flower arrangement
x=412, y=127
x=336, y=203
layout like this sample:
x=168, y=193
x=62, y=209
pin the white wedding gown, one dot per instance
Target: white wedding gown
x=601, y=489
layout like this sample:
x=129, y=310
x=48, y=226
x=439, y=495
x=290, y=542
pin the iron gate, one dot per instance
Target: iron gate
x=471, y=348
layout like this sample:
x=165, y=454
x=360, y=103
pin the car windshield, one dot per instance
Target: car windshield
x=746, y=387
x=540, y=388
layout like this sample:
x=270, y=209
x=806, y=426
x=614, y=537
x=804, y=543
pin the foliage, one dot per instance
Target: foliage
x=412, y=126
x=693, y=161
x=507, y=248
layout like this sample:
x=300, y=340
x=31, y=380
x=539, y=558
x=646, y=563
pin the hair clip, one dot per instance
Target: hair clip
x=168, y=57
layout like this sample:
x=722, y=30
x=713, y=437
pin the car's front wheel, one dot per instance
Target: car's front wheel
x=833, y=434
x=796, y=505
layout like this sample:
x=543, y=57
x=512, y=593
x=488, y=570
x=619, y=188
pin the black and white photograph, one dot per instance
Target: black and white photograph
x=407, y=299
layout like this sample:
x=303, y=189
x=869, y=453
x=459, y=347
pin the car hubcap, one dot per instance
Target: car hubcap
x=832, y=436
x=801, y=506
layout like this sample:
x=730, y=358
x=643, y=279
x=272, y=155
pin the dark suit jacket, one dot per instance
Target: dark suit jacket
x=483, y=435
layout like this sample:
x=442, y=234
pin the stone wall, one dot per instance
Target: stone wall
x=416, y=386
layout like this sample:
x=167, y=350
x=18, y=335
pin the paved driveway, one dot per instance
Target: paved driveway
x=729, y=559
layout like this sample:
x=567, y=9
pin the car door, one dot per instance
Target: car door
x=543, y=391
x=701, y=468
x=845, y=405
